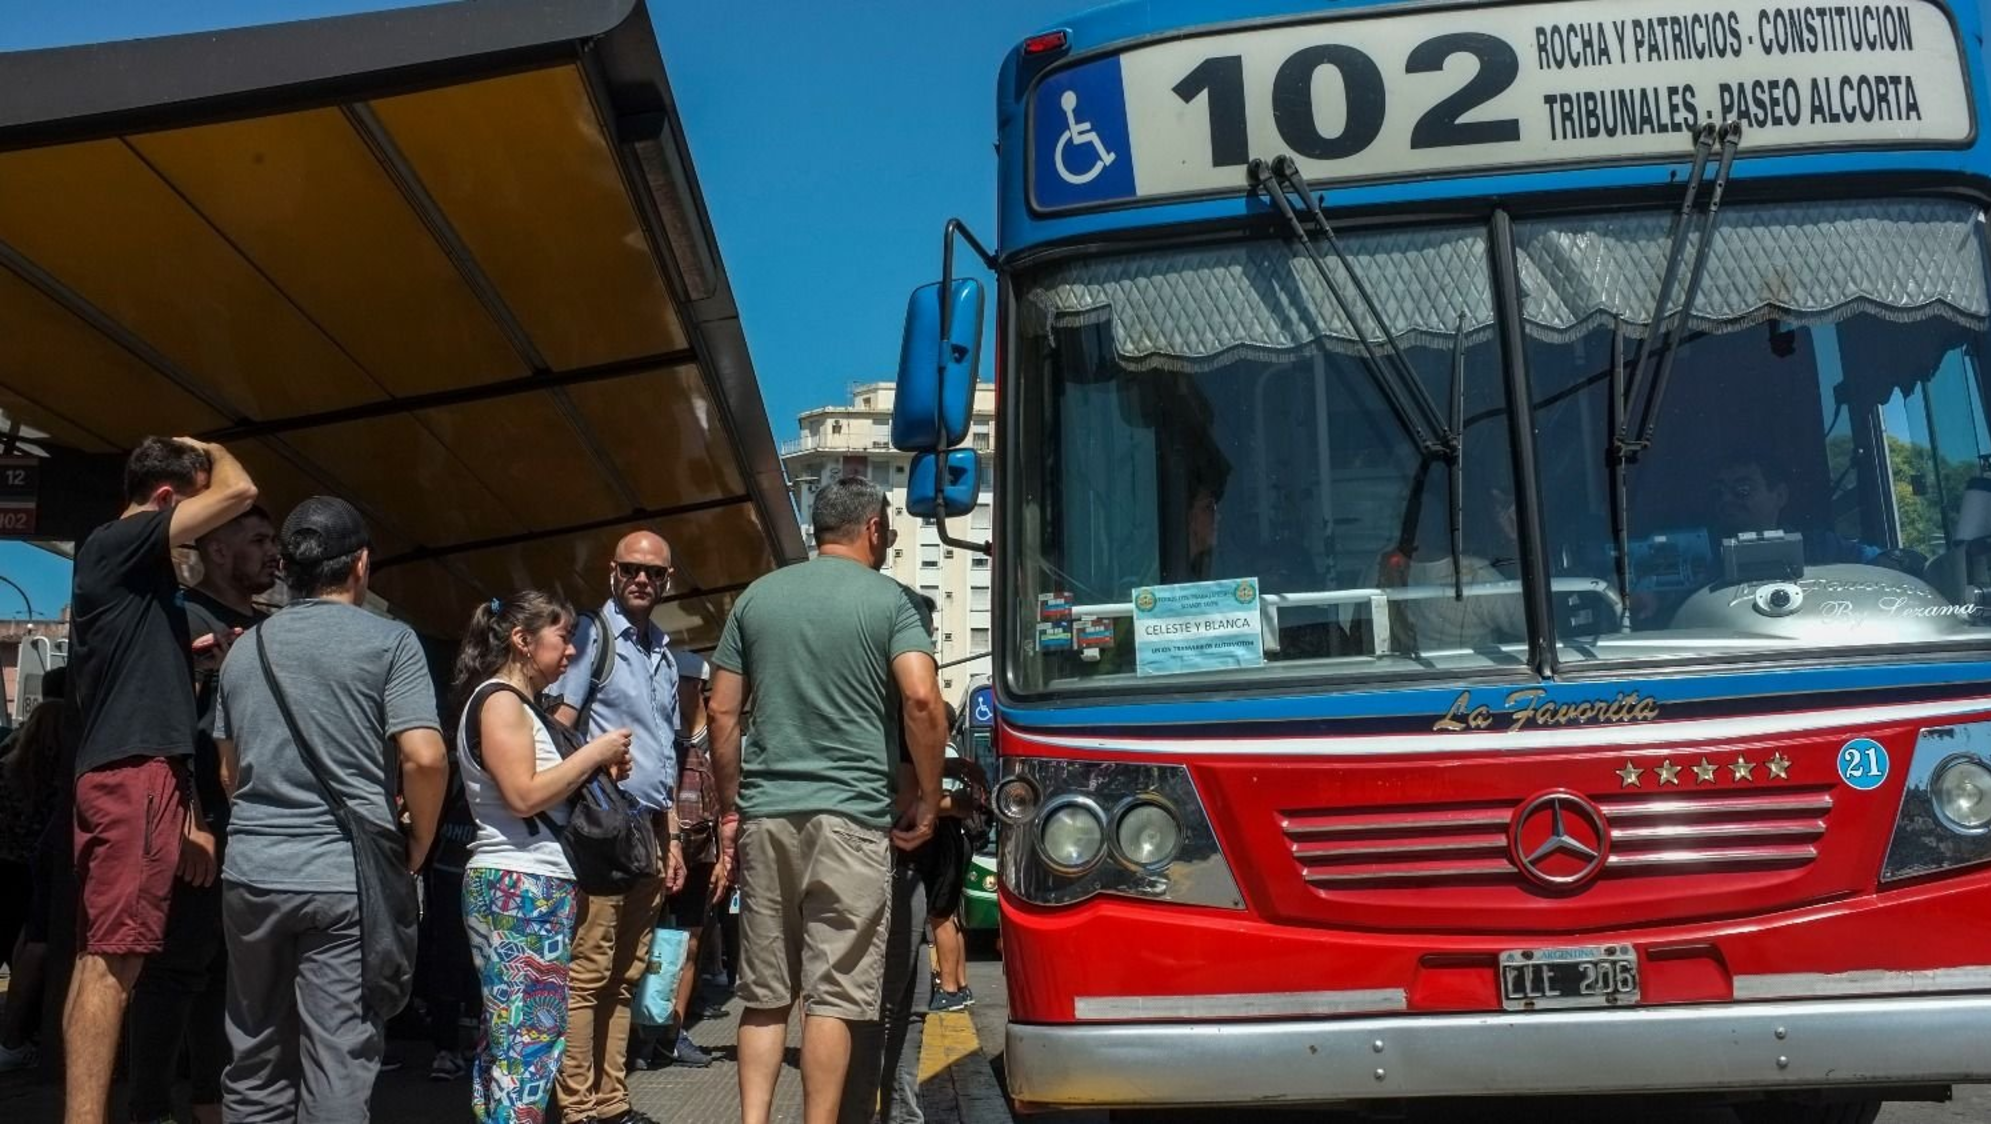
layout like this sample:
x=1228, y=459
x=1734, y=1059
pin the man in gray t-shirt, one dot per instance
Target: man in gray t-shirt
x=344, y=670
x=303, y=1044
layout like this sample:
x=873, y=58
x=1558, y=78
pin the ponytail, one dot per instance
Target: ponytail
x=487, y=640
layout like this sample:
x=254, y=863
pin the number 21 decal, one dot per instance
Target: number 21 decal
x=1863, y=764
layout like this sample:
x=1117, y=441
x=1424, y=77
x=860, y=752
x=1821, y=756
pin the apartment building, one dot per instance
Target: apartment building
x=856, y=439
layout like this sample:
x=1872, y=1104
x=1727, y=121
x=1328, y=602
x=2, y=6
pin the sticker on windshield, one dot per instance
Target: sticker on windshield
x=1054, y=636
x=1095, y=633
x=1199, y=626
x=1863, y=764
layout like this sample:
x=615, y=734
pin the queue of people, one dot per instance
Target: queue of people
x=260, y=799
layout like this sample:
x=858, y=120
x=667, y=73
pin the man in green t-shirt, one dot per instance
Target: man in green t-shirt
x=837, y=661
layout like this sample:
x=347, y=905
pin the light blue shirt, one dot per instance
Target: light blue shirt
x=641, y=693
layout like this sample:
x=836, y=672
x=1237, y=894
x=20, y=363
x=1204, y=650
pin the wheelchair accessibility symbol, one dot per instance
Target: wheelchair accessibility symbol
x=1079, y=134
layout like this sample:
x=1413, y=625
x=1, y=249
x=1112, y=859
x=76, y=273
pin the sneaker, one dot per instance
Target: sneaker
x=448, y=1066
x=687, y=1053
x=23, y=1056
x=944, y=1001
x=391, y=1061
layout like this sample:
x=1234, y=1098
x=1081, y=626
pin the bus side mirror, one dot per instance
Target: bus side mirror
x=948, y=484
x=936, y=395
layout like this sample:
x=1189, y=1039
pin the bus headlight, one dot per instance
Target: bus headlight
x=1072, y=835
x=1158, y=835
x=1945, y=819
x=1147, y=835
x=1961, y=792
x=1016, y=799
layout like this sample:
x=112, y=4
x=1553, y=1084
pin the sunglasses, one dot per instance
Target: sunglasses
x=658, y=575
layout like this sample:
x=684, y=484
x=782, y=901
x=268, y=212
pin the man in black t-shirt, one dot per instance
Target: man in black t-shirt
x=182, y=992
x=132, y=668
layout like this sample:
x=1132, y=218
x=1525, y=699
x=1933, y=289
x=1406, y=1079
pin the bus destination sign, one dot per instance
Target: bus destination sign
x=1510, y=86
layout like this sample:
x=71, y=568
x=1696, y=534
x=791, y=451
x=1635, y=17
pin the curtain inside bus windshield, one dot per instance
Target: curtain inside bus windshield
x=1800, y=263
x=1198, y=309
x=1115, y=464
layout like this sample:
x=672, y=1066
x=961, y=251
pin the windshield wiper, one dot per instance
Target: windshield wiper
x=1394, y=377
x=1393, y=374
x=1662, y=333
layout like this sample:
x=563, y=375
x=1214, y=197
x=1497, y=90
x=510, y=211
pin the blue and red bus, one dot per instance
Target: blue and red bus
x=1494, y=550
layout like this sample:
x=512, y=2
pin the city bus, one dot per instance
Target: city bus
x=1493, y=548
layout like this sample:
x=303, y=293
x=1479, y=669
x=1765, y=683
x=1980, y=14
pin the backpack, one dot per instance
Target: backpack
x=601, y=666
x=609, y=842
x=694, y=756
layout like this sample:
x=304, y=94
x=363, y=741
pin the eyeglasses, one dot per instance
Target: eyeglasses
x=659, y=576
x=1740, y=489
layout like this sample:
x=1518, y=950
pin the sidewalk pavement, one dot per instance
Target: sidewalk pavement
x=957, y=1084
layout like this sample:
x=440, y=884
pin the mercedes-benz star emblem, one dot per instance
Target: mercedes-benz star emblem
x=1559, y=840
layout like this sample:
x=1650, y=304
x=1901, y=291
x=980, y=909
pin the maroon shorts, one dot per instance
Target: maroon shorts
x=129, y=819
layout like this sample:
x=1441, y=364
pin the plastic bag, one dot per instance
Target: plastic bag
x=656, y=992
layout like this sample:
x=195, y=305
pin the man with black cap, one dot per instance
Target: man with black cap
x=305, y=1045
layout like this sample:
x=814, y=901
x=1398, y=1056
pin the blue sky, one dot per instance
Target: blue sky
x=832, y=140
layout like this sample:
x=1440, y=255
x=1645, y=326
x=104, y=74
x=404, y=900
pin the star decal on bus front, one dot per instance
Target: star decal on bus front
x=1780, y=766
x=1744, y=769
x=1669, y=773
x=1704, y=772
x=1630, y=775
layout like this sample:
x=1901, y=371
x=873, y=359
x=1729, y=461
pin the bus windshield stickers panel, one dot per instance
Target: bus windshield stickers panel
x=1198, y=626
x=1526, y=85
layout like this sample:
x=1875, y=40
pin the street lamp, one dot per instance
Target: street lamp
x=25, y=599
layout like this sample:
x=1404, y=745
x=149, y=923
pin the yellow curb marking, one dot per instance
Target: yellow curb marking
x=949, y=1037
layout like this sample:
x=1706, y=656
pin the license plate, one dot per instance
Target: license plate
x=1535, y=979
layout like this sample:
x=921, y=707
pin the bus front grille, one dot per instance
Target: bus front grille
x=1471, y=843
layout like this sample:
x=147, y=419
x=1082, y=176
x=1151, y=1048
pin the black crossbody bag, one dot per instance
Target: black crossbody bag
x=389, y=902
x=609, y=842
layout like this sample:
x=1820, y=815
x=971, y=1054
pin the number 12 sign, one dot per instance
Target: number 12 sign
x=1479, y=88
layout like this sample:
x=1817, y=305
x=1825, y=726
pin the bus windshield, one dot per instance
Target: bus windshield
x=1217, y=486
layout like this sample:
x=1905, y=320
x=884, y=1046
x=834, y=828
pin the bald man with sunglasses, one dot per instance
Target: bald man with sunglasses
x=612, y=935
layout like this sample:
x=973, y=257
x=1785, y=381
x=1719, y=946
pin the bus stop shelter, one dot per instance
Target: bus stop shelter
x=449, y=262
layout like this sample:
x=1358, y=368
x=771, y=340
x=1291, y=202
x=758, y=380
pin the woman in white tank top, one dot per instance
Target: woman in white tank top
x=518, y=892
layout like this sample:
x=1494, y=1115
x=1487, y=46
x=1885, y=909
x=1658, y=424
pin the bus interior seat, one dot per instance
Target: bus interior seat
x=1959, y=572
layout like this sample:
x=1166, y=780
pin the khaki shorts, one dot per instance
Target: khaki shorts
x=815, y=912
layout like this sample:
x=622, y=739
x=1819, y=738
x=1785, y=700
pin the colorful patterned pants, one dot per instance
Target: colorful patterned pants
x=521, y=932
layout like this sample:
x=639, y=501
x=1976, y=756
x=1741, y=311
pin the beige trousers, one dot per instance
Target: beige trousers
x=611, y=949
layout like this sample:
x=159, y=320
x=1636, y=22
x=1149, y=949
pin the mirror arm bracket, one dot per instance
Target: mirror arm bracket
x=955, y=229
x=940, y=522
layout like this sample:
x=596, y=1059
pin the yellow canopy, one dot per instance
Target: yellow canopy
x=448, y=262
